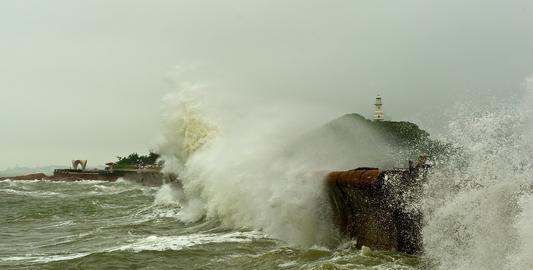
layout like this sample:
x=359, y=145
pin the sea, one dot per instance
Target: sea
x=123, y=225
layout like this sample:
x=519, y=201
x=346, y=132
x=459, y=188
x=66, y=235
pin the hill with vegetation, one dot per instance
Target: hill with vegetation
x=353, y=141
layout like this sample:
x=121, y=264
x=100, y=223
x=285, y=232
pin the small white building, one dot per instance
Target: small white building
x=378, y=112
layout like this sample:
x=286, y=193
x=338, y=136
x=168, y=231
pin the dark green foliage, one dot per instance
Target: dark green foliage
x=353, y=141
x=406, y=136
x=135, y=159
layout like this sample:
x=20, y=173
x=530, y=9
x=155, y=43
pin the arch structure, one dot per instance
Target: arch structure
x=79, y=162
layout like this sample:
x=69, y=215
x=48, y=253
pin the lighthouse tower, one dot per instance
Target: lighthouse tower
x=378, y=113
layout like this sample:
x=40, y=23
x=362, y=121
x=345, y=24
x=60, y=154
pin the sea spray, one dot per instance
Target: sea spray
x=169, y=194
x=476, y=201
x=184, y=128
x=523, y=259
x=249, y=184
x=172, y=195
x=240, y=172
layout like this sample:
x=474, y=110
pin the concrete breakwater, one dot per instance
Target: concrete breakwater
x=371, y=206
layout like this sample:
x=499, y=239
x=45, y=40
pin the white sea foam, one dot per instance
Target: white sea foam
x=41, y=194
x=122, y=181
x=21, y=181
x=155, y=212
x=169, y=194
x=289, y=264
x=160, y=243
x=152, y=243
x=65, y=223
x=190, y=211
x=45, y=258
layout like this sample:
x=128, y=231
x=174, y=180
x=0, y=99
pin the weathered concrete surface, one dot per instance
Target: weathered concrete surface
x=369, y=207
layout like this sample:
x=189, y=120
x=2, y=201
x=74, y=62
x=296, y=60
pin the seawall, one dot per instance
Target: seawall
x=147, y=178
x=369, y=205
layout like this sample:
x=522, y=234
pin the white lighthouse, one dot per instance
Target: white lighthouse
x=378, y=113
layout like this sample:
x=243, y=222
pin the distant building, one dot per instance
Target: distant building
x=110, y=166
x=378, y=113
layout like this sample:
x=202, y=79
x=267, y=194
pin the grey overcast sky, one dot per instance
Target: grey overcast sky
x=85, y=79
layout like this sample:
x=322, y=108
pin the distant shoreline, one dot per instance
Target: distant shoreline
x=147, y=178
x=77, y=177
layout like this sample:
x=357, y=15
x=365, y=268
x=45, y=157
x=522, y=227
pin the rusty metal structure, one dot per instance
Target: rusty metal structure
x=370, y=206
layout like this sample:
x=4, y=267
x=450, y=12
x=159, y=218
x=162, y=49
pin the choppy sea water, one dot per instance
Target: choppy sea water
x=102, y=225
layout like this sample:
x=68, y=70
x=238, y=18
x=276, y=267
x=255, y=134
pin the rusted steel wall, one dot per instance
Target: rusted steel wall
x=358, y=178
x=367, y=210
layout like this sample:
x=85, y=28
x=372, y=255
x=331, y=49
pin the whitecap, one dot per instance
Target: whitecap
x=160, y=243
x=45, y=259
x=289, y=264
x=32, y=193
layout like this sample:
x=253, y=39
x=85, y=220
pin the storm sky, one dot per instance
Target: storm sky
x=85, y=79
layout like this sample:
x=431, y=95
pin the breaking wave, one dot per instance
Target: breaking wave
x=478, y=204
x=240, y=176
x=179, y=242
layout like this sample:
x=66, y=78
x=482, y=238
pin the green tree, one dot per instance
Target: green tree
x=135, y=159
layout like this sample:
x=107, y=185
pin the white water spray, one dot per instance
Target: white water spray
x=242, y=176
x=238, y=165
x=478, y=205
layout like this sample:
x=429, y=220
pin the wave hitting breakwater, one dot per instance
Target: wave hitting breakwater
x=476, y=203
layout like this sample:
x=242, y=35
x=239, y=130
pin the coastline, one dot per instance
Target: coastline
x=149, y=178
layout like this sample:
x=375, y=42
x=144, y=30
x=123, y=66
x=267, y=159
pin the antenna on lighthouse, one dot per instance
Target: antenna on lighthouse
x=378, y=113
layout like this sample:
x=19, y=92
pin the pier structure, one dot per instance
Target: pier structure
x=149, y=175
x=371, y=205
